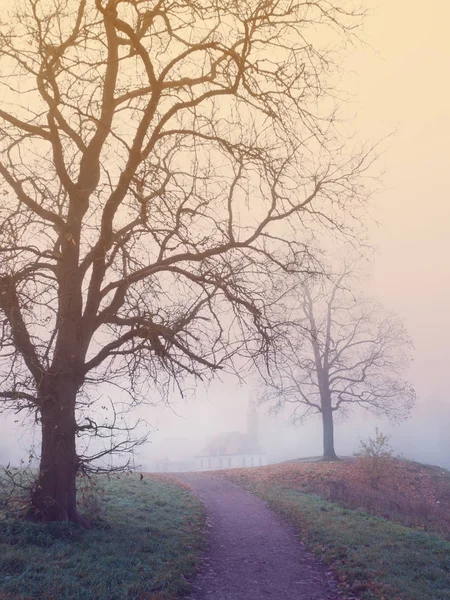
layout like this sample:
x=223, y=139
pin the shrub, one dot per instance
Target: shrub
x=90, y=498
x=15, y=490
x=375, y=459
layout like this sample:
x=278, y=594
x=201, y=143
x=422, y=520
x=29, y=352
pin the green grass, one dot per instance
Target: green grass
x=146, y=544
x=373, y=558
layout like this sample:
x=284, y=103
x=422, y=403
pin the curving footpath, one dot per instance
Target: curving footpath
x=252, y=553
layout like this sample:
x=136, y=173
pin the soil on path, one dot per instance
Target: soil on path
x=252, y=553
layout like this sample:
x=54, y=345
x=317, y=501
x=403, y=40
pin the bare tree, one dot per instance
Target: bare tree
x=337, y=352
x=161, y=163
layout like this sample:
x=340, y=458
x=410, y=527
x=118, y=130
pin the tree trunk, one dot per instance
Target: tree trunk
x=328, y=432
x=54, y=494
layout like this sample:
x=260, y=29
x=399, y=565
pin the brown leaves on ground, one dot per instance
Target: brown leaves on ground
x=408, y=492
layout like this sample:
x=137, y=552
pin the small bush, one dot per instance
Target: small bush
x=91, y=507
x=15, y=489
x=91, y=498
x=375, y=459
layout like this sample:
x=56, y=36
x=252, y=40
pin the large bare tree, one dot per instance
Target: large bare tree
x=338, y=351
x=161, y=162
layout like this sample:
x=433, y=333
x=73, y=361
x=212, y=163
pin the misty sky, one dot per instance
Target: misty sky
x=405, y=86
x=400, y=83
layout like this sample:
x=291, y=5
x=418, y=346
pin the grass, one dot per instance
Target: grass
x=409, y=493
x=373, y=557
x=384, y=541
x=144, y=547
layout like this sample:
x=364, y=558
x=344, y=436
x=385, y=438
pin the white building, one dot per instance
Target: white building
x=234, y=449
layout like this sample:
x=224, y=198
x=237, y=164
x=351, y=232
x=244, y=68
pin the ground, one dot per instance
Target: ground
x=145, y=543
x=383, y=528
x=297, y=530
x=252, y=552
x=408, y=492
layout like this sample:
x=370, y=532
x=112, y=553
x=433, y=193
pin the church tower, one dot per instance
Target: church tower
x=252, y=426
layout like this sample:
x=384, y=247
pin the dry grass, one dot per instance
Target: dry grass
x=337, y=509
x=410, y=493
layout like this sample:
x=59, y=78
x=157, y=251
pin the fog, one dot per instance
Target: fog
x=399, y=81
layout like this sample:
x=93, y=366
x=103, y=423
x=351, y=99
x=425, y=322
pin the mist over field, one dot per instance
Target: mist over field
x=180, y=433
x=224, y=299
x=397, y=84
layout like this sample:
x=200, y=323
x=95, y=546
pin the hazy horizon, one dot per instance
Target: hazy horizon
x=398, y=82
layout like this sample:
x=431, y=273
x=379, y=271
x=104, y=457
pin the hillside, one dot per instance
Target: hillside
x=384, y=533
x=405, y=491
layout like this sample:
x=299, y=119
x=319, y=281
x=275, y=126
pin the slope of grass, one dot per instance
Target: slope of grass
x=410, y=493
x=373, y=557
x=144, y=547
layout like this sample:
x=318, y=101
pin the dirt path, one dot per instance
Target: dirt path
x=252, y=553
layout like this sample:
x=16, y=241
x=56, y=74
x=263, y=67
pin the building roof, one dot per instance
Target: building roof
x=230, y=443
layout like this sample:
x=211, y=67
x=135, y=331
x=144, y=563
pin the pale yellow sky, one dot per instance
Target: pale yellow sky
x=404, y=85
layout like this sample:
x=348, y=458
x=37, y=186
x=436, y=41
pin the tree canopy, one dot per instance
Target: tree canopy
x=338, y=350
x=161, y=163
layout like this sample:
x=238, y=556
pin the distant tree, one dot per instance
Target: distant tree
x=338, y=351
x=161, y=164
